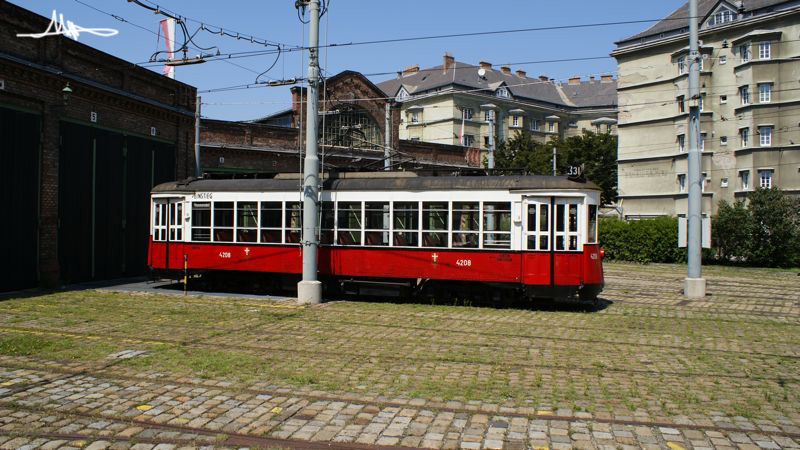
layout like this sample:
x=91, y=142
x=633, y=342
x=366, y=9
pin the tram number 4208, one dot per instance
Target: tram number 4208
x=464, y=262
x=225, y=255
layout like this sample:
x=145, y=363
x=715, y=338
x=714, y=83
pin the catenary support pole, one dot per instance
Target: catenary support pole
x=309, y=290
x=695, y=285
x=554, y=161
x=197, y=172
x=387, y=138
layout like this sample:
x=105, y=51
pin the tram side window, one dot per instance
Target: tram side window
x=349, y=223
x=247, y=222
x=223, y=222
x=201, y=221
x=271, y=214
x=434, y=224
x=376, y=221
x=572, y=212
x=466, y=224
x=327, y=221
x=497, y=225
x=294, y=222
x=538, y=226
x=159, y=222
x=175, y=222
x=406, y=224
x=591, y=229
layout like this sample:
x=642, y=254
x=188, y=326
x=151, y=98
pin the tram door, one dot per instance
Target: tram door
x=567, y=243
x=537, y=240
x=168, y=225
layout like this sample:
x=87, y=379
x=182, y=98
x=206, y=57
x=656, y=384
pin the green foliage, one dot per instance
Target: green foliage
x=731, y=231
x=642, y=241
x=596, y=152
x=775, y=229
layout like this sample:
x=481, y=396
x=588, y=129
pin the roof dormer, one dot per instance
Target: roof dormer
x=402, y=94
x=500, y=89
x=722, y=14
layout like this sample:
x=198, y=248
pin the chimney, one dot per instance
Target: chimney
x=606, y=78
x=575, y=80
x=411, y=70
x=521, y=73
x=591, y=78
x=486, y=65
x=544, y=78
x=448, y=62
x=506, y=70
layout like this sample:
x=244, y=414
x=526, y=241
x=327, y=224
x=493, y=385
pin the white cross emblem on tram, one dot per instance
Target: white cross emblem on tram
x=247, y=251
x=435, y=257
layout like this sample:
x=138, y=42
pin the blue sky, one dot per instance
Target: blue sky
x=362, y=20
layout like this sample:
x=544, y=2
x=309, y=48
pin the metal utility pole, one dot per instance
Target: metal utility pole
x=489, y=109
x=309, y=290
x=695, y=285
x=387, y=138
x=554, y=161
x=197, y=172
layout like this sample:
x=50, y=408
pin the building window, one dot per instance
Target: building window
x=764, y=92
x=764, y=50
x=721, y=17
x=723, y=182
x=700, y=103
x=551, y=127
x=744, y=137
x=744, y=52
x=515, y=121
x=486, y=141
x=681, y=143
x=723, y=99
x=765, y=136
x=466, y=113
x=488, y=115
x=744, y=179
x=415, y=117
x=681, y=182
x=723, y=60
x=703, y=182
x=723, y=140
x=469, y=140
x=501, y=92
x=681, y=104
x=536, y=125
x=681, y=66
x=402, y=95
x=702, y=142
x=352, y=127
x=765, y=179
x=744, y=94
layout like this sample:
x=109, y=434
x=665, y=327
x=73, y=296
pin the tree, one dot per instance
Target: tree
x=733, y=228
x=597, y=153
x=775, y=238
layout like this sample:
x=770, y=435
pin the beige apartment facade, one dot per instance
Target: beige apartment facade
x=454, y=103
x=750, y=107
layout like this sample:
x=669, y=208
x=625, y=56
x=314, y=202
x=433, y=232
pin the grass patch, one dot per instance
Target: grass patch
x=59, y=349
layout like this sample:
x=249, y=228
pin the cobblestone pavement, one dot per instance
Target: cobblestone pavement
x=98, y=369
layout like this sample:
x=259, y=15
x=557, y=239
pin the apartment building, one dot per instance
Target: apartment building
x=453, y=103
x=750, y=106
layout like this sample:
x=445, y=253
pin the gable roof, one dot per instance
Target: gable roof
x=678, y=20
x=466, y=76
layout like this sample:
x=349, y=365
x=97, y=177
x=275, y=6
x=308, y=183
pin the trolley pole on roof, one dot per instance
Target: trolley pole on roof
x=694, y=285
x=309, y=290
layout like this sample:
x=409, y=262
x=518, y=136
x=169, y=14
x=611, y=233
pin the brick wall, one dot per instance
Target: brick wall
x=127, y=99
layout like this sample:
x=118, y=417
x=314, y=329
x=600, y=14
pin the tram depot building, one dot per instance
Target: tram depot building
x=750, y=115
x=83, y=138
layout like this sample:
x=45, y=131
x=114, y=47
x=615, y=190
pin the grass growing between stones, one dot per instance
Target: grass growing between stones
x=735, y=352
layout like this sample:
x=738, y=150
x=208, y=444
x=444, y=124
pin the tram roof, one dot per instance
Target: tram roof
x=382, y=182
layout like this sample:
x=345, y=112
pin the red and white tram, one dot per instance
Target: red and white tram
x=534, y=235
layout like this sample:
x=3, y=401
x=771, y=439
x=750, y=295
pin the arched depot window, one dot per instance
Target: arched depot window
x=351, y=127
